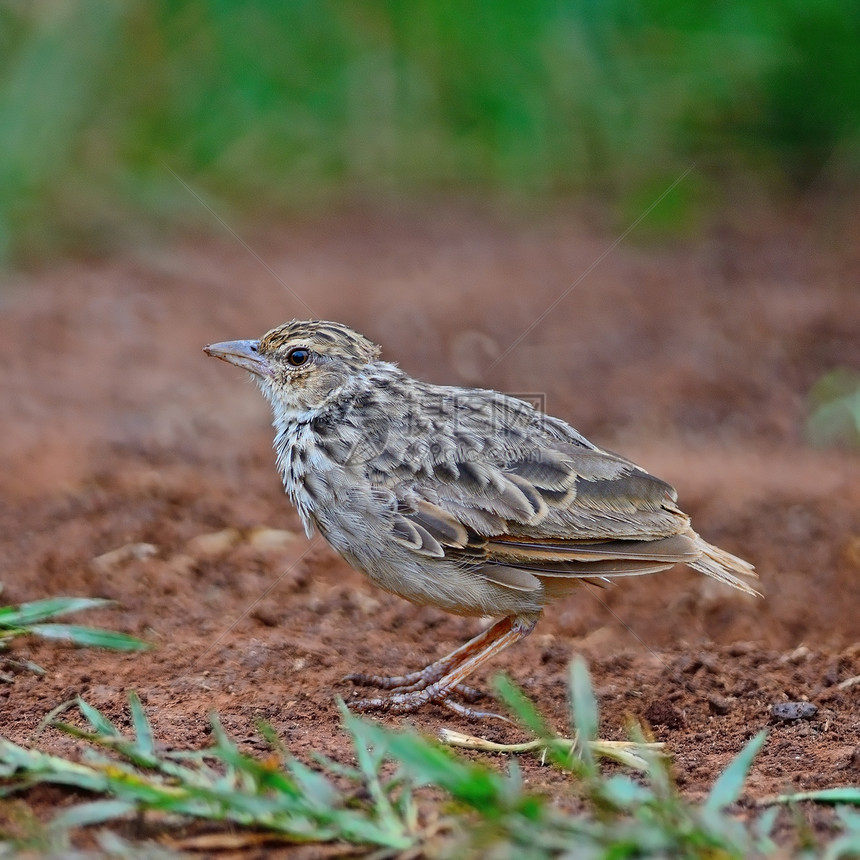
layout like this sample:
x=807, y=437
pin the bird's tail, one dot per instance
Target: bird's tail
x=723, y=566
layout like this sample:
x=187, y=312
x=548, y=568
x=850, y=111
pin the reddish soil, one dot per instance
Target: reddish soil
x=694, y=360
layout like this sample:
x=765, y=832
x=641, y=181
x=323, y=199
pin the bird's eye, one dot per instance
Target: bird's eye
x=298, y=356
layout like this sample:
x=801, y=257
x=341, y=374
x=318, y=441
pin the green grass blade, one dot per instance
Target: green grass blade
x=144, y=739
x=267, y=730
x=624, y=793
x=557, y=749
x=370, y=764
x=842, y=794
x=89, y=636
x=96, y=812
x=312, y=786
x=428, y=763
x=584, y=710
x=50, y=719
x=762, y=831
x=522, y=708
x=36, y=766
x=26, y=614
x=248, y=771
x=727, y=789
x=101, y=724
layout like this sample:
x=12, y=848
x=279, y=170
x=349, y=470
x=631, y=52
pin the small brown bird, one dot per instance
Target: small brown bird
x=461, y=498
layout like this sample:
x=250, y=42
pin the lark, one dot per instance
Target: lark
x=461, y=498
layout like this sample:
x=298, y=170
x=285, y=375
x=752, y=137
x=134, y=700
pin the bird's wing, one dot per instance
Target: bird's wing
x=558, y=513
x=528, y=497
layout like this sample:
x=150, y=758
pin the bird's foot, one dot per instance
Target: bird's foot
x=411, y=683
x=407, y=701
x=438, y=681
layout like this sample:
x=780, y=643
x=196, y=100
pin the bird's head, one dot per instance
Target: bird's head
x=302, y=364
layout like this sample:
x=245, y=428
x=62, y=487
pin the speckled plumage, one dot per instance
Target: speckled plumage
x=466, y=499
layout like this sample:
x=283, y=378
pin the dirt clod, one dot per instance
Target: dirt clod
x=664, y=713
x=719, y=704
x=788, y=711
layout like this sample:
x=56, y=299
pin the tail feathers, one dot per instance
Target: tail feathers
x=723, y=566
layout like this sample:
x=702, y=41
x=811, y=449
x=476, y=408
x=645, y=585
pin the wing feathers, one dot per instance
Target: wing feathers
x=609, y=568
x=510, y=577
x=416, y=537
x=439, y=522
x=547, y=470
x=545, y=511
x=673, y=549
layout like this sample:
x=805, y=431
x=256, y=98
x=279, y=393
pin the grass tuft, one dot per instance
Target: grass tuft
x=378, y=803
x=32, y=619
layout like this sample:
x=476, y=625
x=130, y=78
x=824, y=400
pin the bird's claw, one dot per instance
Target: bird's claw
x=405, y=702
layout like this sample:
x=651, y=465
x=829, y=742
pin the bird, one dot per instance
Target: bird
x=466, y=499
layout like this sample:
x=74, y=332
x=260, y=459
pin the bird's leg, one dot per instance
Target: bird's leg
x=434, y=671
x=411, y=681
x=456, y=668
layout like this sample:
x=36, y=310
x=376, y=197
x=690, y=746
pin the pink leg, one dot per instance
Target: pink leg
x=439, y=680
x=436, y=670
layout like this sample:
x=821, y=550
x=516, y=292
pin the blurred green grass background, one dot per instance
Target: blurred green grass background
x=284, y=106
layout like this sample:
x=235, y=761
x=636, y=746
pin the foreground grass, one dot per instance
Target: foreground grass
x=378, y=802
x=36, y=619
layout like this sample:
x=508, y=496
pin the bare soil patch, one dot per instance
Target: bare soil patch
x=693, y=360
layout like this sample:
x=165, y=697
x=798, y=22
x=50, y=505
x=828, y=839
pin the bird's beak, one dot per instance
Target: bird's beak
x=242, y=353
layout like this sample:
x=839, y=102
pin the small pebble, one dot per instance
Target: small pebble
x=264, y=539
x=213, y=543
x=267, y=617
x=719, y=705
x=788, y=711
x=799, y=655
x=115, y=558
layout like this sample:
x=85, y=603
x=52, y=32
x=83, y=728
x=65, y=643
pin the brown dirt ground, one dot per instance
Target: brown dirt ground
x=693, y=359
